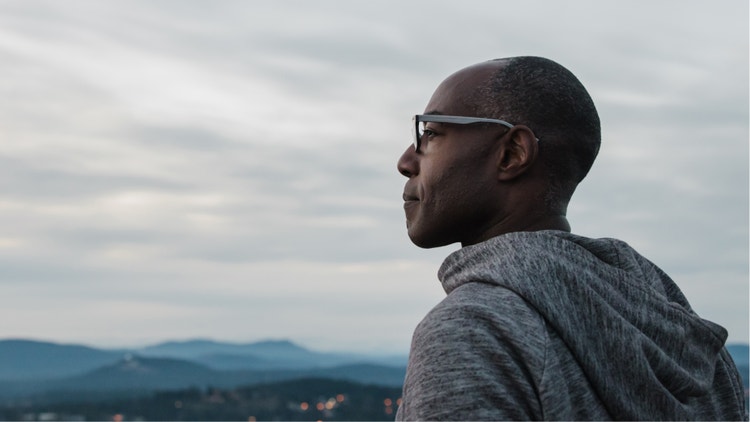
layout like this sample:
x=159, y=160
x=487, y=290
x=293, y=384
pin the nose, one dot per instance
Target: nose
x=408, y=164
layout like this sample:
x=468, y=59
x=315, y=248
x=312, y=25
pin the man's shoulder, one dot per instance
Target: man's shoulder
x=475, y=307
x=479, y=354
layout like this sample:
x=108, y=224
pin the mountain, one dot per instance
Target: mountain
x=51, y=372
x=191, y=349
x=133, y=373
x=136, y=372
x=272, y=354
x=28, y=359
x=740, y=353
x=136, y=375
x=34, y=360
x=60, y=371
x=233, y=362
x=741, y=356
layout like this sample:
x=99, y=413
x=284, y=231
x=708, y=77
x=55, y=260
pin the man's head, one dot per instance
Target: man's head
x=470, y=182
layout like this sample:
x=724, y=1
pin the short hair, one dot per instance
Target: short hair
x=552, y=102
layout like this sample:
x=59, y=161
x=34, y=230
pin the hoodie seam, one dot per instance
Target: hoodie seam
x=544, y=367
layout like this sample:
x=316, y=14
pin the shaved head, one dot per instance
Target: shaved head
x=545, y=96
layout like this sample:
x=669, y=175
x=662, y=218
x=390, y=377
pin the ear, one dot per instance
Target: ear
x=518, y=150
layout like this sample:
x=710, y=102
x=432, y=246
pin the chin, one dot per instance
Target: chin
x=425, y=241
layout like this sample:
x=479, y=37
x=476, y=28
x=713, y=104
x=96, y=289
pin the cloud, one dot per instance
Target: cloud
x=213, y=164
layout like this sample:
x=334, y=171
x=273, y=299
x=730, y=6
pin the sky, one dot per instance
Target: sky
x=226, y=170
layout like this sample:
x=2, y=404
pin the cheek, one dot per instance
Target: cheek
x=458, y=196
x=454, y=183
x=444, y=195
x=450, y=184
x=436, y=189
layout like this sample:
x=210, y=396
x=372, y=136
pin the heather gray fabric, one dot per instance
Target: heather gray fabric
x=549, y=325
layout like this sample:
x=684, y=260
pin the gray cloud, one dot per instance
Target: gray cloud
x=183, y=160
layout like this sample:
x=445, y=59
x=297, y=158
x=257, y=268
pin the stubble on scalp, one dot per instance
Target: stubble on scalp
x=552, y=102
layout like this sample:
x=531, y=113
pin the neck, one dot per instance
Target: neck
x=553, y=222
x=546, y=222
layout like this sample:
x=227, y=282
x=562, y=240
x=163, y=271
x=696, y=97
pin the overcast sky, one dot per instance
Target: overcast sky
x=227, y=169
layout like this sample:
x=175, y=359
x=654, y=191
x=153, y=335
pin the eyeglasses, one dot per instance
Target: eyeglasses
x=420, y=119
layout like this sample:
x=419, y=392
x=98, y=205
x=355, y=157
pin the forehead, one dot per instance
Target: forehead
x=460, y=93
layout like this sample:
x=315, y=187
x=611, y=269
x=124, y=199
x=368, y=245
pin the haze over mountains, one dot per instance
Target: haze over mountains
x=51, y=372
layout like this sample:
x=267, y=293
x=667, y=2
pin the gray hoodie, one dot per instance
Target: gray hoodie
x=550, y=325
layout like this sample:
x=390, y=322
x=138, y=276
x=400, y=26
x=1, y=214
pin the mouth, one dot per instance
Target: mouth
x=409, y=198
x=409, y=201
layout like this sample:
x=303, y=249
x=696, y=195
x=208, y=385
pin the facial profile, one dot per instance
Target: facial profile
x=448, y=196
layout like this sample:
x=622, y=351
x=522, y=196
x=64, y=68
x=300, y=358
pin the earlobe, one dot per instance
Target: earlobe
x=517, y=153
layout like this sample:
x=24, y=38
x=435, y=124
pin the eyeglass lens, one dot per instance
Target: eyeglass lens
x=418, y=132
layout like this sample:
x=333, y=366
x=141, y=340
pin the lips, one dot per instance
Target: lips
x=410, y=201
x=409, y=198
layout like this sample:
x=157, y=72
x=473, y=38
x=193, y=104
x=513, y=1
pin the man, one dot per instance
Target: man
x=539, y=323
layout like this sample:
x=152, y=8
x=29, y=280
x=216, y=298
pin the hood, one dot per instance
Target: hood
x=605, y=301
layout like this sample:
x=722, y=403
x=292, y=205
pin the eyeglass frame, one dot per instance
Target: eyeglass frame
x=441, y=118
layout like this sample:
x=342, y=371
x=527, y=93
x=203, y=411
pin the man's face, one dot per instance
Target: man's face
x=448, y=197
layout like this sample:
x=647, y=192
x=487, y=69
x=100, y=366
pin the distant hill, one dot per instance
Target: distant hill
x=281, y=349
x=36, y=360
x=273, y=354
x=741, y=355
x=136, y=375
x=28, y=359
x=162, y=373
x=133, y=373
x=45, y=372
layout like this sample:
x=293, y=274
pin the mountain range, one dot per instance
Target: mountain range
x=46, y=371
x=37, y=371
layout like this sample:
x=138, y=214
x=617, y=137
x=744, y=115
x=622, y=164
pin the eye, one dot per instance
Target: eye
x=430, y=130
x=428, y=133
